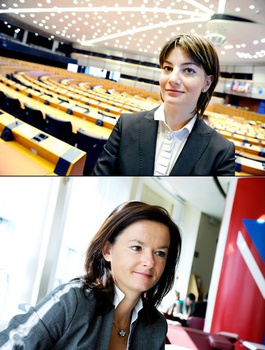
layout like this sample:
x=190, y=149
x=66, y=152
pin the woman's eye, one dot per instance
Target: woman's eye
x=167, y=69
x=189, y=70
x=136, y=248
x=161, y=254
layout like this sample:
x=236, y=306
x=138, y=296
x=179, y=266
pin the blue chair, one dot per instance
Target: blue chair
x=2, y=100
x=61, y=129
x=14, y=108
x=34, y=117
x=93, y=146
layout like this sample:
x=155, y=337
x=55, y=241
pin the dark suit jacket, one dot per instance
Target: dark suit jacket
x=66, y=319
x=130, y=149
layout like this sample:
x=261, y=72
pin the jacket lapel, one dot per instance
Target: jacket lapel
x=193, y=149
x=147, y=137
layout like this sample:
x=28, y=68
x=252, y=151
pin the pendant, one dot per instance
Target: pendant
x=122, y=333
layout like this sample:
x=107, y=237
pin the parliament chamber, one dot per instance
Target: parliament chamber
x=34, y=96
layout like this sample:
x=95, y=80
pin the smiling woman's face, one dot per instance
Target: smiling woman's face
x=138, y=256
x=182, y=80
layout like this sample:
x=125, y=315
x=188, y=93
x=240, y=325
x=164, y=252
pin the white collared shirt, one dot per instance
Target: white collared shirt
x=119, y=295
x=169, y=143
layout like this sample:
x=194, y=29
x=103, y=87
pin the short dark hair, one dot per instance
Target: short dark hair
x=98, y=276
x=204, y=54
x=191, y=296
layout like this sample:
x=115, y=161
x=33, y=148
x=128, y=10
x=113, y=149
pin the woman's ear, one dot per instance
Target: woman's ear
x=106, y=251
x=208, y=82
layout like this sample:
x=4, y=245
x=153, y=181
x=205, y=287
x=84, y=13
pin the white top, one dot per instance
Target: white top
x=169, y=143
x=119, y=295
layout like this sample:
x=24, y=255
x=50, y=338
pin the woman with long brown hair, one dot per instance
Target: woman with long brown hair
x=130, y=266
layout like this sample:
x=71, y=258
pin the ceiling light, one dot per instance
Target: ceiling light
x=216, y=38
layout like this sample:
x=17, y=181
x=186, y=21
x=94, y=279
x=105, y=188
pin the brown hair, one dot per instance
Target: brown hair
x=204, y=54
x=98, y=275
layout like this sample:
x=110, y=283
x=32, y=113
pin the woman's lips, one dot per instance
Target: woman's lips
x=143, y=274
x=174, y=91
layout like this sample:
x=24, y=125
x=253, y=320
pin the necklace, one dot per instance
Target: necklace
x=121, y=332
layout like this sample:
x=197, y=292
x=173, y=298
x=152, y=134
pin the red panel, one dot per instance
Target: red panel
x=240, y=306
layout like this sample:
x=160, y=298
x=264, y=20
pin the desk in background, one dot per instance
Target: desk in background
x=56, y=108
x=25, y=150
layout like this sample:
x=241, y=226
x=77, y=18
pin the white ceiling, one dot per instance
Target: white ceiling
x=202, y=192
x=143, y=26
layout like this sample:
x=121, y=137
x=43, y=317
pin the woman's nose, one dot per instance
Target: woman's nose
x=148, y=259
x=175, y=76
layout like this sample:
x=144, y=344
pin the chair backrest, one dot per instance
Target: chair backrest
x=93, y=146
x=13, y=107
x=2, y=100
x=34, y=117
x=196, y=322
x=61, y=129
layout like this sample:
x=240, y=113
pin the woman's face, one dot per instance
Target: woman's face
x=138, y=256
x=182, y=80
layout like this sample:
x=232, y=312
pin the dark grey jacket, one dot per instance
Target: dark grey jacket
x=66, y=320
x=130, y=150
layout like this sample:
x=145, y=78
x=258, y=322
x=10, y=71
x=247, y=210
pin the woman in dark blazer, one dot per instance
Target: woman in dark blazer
x=173, y=139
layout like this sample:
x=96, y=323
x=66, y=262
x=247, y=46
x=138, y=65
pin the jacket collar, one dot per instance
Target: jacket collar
x=193, y=149
x=148, y=135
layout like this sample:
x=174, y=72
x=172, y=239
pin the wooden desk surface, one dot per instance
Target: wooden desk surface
x=242, y=138
x=249, y=166
x=14, y=161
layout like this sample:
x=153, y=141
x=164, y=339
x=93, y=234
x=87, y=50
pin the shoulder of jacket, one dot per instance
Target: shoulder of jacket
x=131, y=117
x=206, y=128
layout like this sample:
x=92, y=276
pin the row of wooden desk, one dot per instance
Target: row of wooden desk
x=80, y=117
x=24, y=150
x=93, y=98
x=249, y=166
x=97, y=97
x=249, y=142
